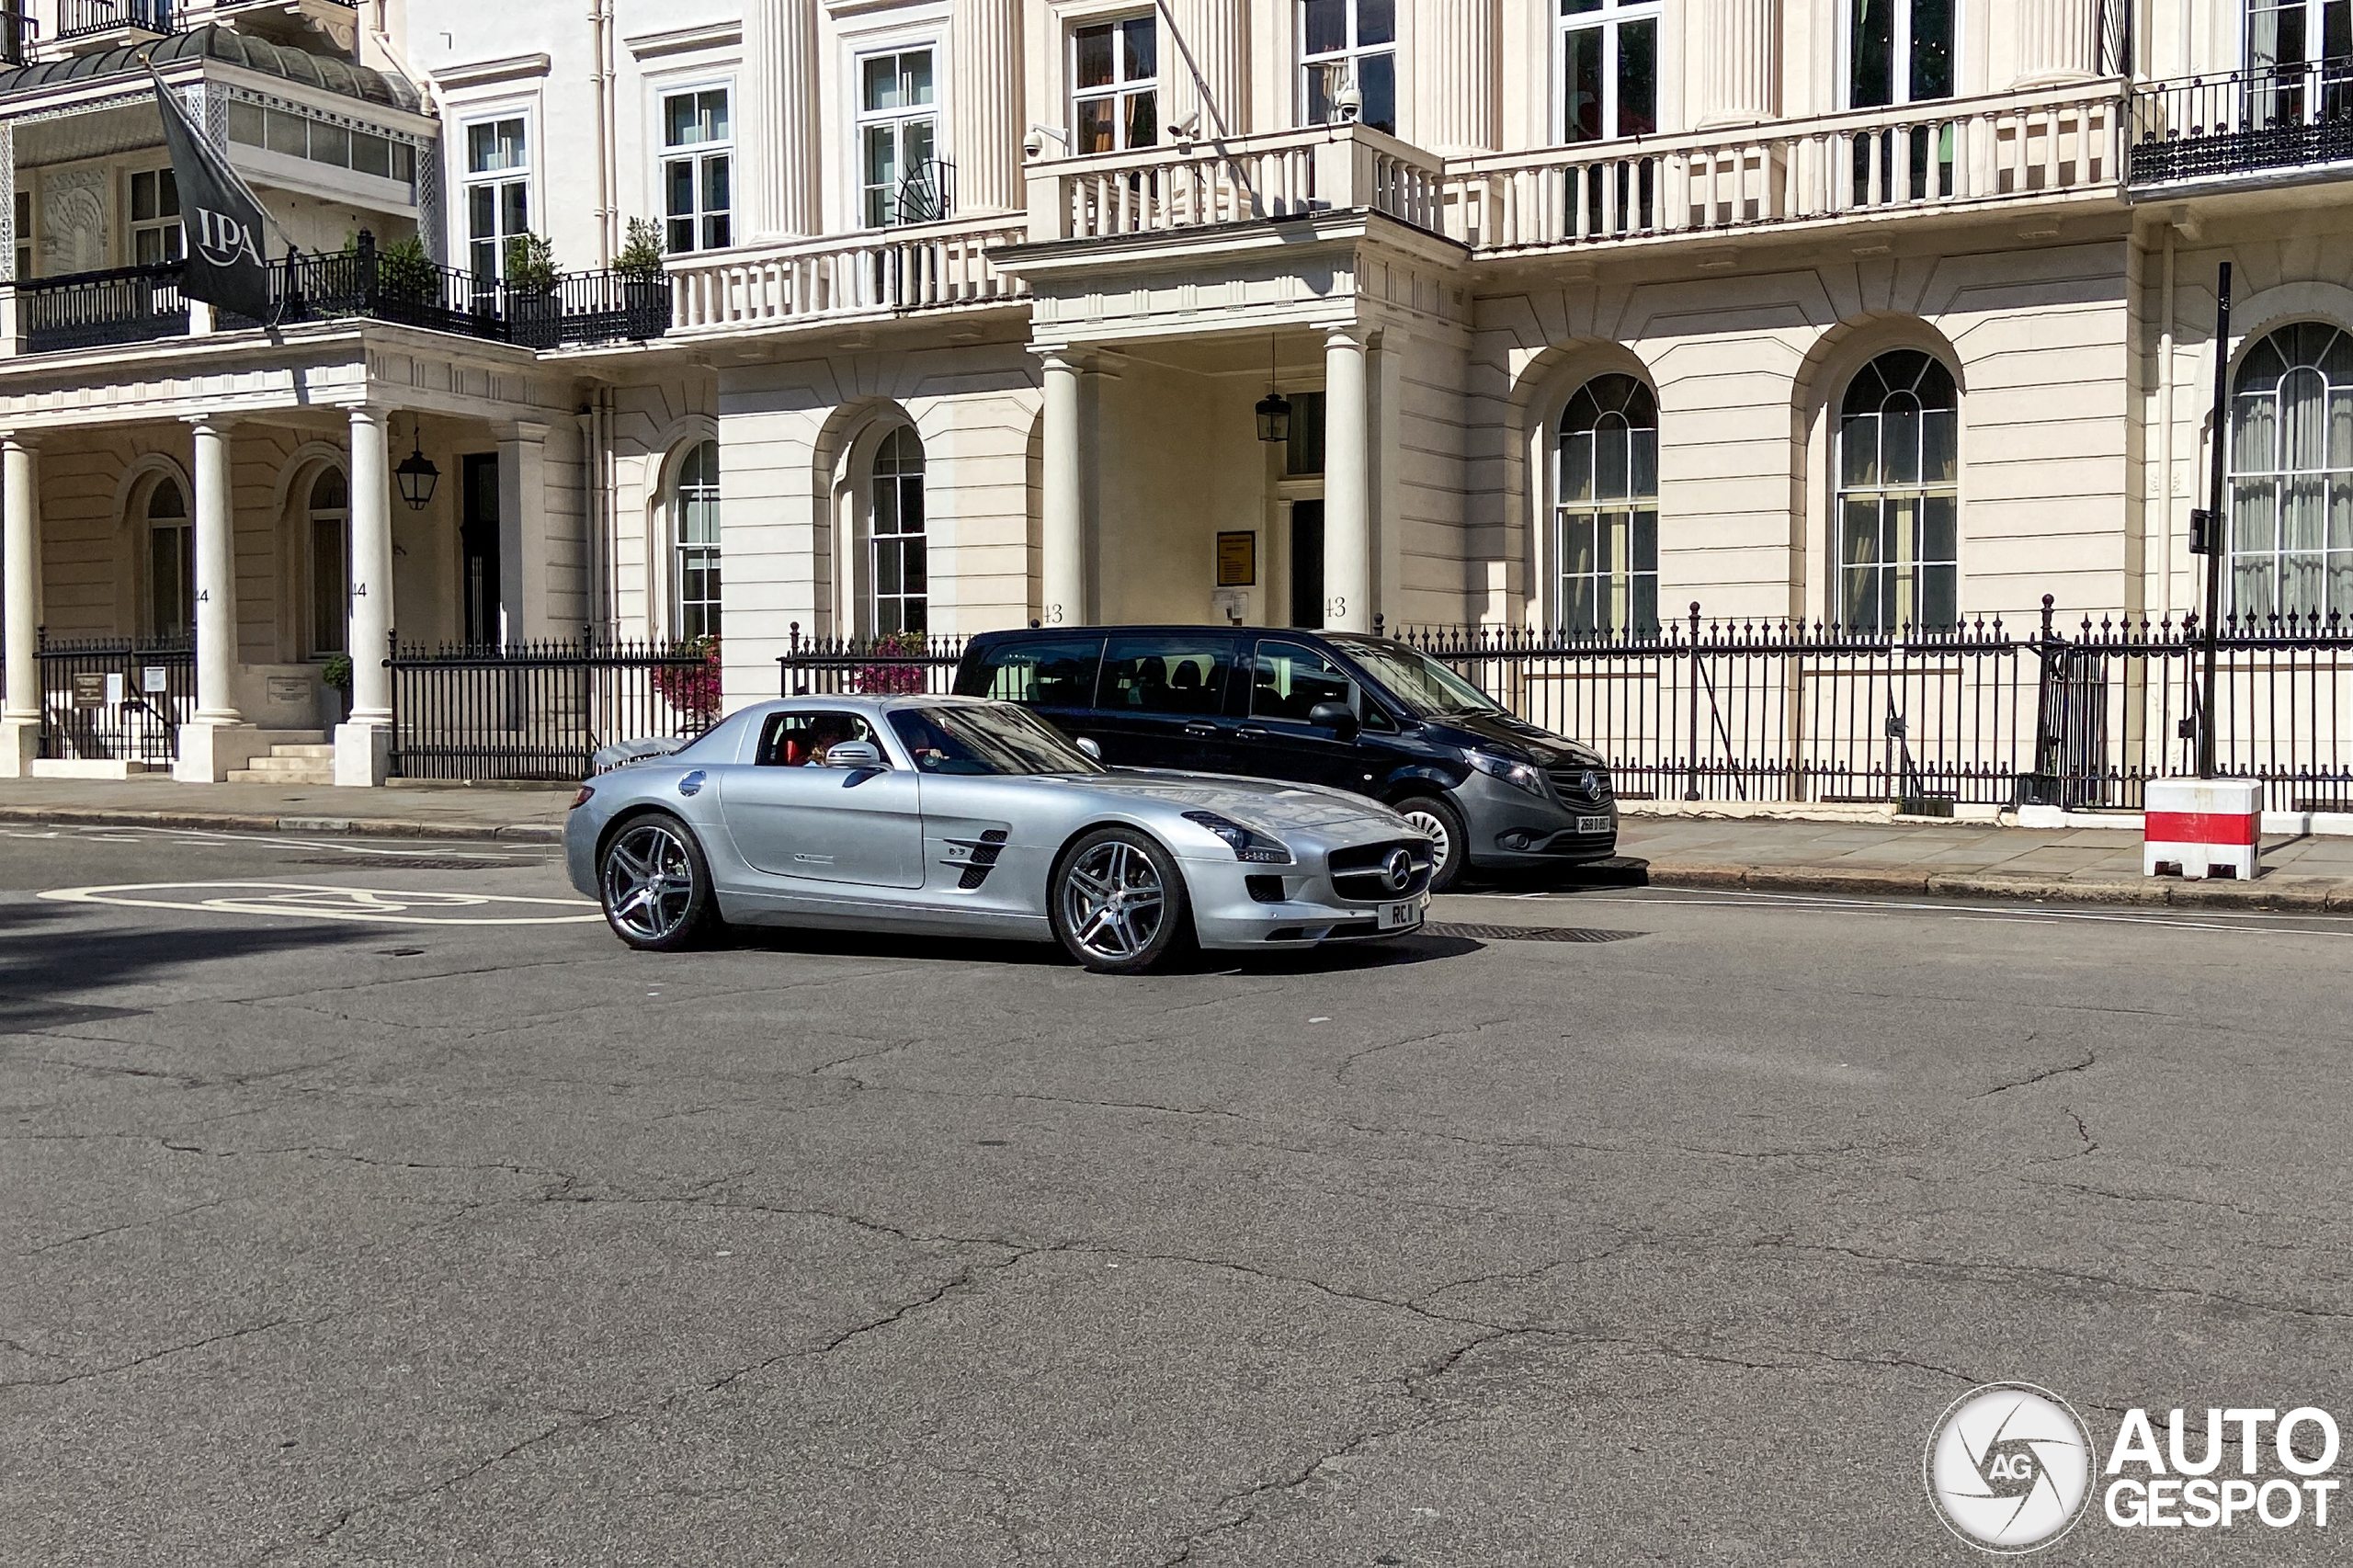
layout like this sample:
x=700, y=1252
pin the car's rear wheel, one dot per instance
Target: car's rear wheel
x=1118, y=902
x=1450, y=840
x=655, y=885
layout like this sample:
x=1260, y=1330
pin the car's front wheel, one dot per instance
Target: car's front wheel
x=655, y=885
x=1118, y=902
x=1437, y=821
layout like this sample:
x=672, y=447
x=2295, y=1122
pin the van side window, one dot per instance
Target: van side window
x=1045, y=674
x=1289, y=681
x=1164, y=675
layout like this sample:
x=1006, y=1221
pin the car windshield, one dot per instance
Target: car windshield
x=996, y=739
x=1422, y=684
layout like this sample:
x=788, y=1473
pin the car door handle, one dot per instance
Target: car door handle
x=1251, y=732
x=1202, y=732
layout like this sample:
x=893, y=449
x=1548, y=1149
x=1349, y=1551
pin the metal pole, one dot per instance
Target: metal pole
x=2217, y=528
x=1691, y=765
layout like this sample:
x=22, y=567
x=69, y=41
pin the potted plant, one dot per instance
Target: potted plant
x=532, y=307
x=897, y=668
x=335, y=673
x=644, y=290
x=692, y=690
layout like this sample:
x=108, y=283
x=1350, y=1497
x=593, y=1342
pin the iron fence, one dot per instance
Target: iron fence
x=94, y=310
x=2274, y=117
x=1978, y=715
x=115, y=700
x=539, y=710
x=590, y=307
x=906, y=662
x=18, y=29
x=89, y=18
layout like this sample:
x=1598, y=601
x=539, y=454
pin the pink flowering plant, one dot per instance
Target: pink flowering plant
x=886, y=677
x=692, y=690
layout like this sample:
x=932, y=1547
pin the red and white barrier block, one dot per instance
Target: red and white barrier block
x=2205, y=827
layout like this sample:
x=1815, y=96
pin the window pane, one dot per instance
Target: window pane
x=881, y=157
x=482, y=212
x=1644, y=479
x=1096, y=133
x=1581, y=85
x=1377, y=77
x=1094, y=64
x=1376, y=21
x=678, y=124
x=1139, y=49
x=1143, y=119
x=713, y=110
x=371, y=154
x=1940, y=598
x=1290, y=680
x=1053, y=674
x=679, y=182
x=1638, y=78
x=287, y=134
x=1324, y=26
x=244, y=122
x=714, y=185
x=1937, y=529
x=1576, y=466
x=880, y=75
x=330, y=144
x=1858, y=451
x=1871, y=53
x=142, y=198
x=919, y=143
x=514, y=207
x=1931, y=49
x=1165, y=675
x=915, y=76
x=1609, y=459
x=1645, y=555
x=1899, y=441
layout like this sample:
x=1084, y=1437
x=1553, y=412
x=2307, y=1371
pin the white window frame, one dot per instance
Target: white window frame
x=701, y=154
x=1119, y=89
x=1613, y=16
x=682, y=626
x=2321, y=81
x=1618, y=588
x=1347, y=56
x=1901, y=88
x=172, y=243
x=469, y=181
x=184, y=526
x=862, y=117
x=340, y=517
x=874, y=597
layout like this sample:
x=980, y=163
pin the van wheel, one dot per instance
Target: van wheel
x=1118, y=902
x=1449, y=839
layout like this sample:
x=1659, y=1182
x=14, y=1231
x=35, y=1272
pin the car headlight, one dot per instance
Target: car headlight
x=1520, y=775
x=1247, y=845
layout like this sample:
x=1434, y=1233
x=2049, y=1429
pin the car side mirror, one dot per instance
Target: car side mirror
x=1334, y=717
x=855, y=756
x=1090, y=748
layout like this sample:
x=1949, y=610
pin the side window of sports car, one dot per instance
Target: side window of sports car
x=799, y=739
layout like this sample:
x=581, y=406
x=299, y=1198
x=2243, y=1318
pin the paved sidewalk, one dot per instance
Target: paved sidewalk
x=2092, y=865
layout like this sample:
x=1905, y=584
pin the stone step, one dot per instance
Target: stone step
x=279, y=763
x=293, y=737
x=308, y=773
x=314, y=752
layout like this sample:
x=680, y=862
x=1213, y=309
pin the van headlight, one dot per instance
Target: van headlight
x=1520, y=775
x=1247, y=844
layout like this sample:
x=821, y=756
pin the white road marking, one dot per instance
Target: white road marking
x=2242, y=921
x=311, y=900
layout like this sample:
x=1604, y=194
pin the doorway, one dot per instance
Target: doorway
x=478, y=549
x=1307, y=564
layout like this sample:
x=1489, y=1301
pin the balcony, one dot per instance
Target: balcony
x=18, y=31
x=88, y=24
x=142, y=304
x=878, y=273
x=2245, y=127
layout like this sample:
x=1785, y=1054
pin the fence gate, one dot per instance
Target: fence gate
x=2071, y=753
x=115, y=701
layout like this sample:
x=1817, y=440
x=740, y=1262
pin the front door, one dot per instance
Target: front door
x=478, y=548
x=1287, y=680
x=793, y=816
x=1307, y=564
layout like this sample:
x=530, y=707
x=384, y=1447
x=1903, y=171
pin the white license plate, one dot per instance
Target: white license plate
x=1397, y=916
x=1593, y=824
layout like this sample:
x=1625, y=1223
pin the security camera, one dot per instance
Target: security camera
x=1349, y=101
x=1185, y=129
x=1034, y=144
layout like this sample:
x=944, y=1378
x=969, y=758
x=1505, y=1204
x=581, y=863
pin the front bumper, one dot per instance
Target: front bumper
x=1508, y=826
x=1228, y=913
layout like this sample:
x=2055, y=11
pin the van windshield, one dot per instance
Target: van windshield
x=1426, y=686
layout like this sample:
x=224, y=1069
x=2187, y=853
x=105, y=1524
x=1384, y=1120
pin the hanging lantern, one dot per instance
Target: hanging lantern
x=418, y=477
x=1274, y=417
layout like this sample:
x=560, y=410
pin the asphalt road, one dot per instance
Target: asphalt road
x=352, y=1226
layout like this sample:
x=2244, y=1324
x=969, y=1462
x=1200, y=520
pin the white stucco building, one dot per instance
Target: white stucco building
x=1876, y=311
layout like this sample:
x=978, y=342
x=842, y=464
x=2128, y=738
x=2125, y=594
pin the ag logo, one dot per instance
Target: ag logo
x=2009, y=1467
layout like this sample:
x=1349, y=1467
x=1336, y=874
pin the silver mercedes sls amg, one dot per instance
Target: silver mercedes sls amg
x=960, y=816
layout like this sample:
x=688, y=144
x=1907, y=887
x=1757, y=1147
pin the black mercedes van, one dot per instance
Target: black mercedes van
x=1363, y=713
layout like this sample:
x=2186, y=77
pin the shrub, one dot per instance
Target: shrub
x=641, y=253
x=530, y=264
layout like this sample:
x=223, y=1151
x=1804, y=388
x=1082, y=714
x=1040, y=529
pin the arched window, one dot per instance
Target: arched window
x=1898, y=493
x=694, y=523
x=1604, y=533
x=170, y=564
x=897, y=589
x=330, y=561
x=2291, y=476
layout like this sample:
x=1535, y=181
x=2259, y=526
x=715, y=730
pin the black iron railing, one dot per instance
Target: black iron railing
x=905, y=662
x=18, y=31
x=2270, y=117
x=93, y=310
x=86, y=18
x=1748, y=710
x=115, y=700
x=541, y=709
x=589, y=307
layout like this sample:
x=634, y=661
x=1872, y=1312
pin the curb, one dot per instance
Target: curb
x=227, y=822
x=2308, y=894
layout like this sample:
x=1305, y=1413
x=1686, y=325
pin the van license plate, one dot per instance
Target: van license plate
x=1397, y=916
x=1593, y=824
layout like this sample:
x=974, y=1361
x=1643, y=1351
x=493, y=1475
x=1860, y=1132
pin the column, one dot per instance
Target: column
x=2058, y=41
x=523, y=530
x=1062, y=530
x=363, y=743
x=986, y=143
x=1458, y=82
x=1207, y=68
x=1741, y=52
x=1348, y=501
x=216, y=741
x=20, y=562
x=782, y=192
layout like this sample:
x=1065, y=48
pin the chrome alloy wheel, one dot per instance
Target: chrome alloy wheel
x=1432, y=826
x=1113, y=902
x=649, y=881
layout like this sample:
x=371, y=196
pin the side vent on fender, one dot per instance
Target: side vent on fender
x=985, y=849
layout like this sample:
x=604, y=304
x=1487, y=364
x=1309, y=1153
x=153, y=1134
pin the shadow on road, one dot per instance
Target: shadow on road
x=1596, y=876
x=1338, y=957
x=47, y=949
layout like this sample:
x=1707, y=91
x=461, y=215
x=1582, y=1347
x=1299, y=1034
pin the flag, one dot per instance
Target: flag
x=223, y=219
